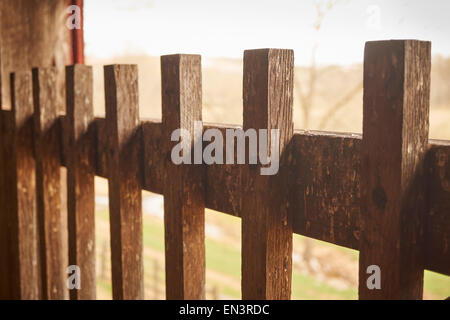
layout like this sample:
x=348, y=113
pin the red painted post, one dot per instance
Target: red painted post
x=77, y=35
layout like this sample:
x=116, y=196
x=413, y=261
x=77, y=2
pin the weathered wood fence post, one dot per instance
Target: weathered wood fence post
x=19, y=228
x=125, y=195
x=184, y=203
x=48, y=184
x=395, y=139
x=80, y=177
x=266, y=222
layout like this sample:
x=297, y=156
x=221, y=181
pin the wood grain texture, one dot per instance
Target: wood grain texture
x=222, y=181
x=154, y=162
x=33, y=33
x=184, y=204
x=1, y=69
x=48, y=188
x=332, y=163
x=326, y=168
x=80, y=177
x=266, y=218
x=20, y=259
x=437, y=218
x=5, y=131
x=101, y=150
x=124, y=180
x=395, y=140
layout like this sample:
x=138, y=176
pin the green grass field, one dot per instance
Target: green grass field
x=223, y=262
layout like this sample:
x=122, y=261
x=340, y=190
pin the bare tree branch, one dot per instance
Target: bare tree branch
x=340, y=104
x=306, y=96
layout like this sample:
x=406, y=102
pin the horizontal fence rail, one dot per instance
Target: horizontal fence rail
x=386, y=195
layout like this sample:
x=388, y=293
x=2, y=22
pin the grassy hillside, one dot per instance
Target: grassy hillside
x=332, y=273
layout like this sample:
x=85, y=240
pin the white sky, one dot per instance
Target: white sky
x=226, y=28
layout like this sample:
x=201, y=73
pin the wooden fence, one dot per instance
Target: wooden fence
x=386, y=195
x=154, y=280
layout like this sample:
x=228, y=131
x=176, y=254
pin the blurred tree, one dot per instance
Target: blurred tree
x=306, y=91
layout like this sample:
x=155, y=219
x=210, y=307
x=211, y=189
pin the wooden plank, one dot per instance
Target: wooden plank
x=323, y=228
x=1, y=72
x=4, y=243
x=4, y=283
x=124, y=180
x=266, y=218
x=395, y=140
x=183, y=184
x=80, y=177
x=154, y=162
x=48, y=186
x=326, y=168
x=223, y=192
x=101, y=154
x=337, y=171
x=20, y=259
x=437, y=218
